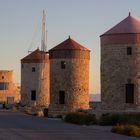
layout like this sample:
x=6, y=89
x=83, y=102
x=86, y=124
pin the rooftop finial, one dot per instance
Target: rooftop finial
x=44, y=33
x=129, y=13
x=69, y=36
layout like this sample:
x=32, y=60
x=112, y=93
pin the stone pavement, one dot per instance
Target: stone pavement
x=18, y=126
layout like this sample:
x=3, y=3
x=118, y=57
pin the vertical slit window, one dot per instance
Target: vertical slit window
x=129, y=93
x=61, y=97
x=33, y=95
x=129, y=51
x=63, y=64
x=33, y=69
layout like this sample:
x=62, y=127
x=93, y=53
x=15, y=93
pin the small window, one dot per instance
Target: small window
x=129, y=51
x=61, y=97
x=33, y=95
x=129, y=91
x=63, y=64
x=3, y=86
x=33, y=69
x=2, y=77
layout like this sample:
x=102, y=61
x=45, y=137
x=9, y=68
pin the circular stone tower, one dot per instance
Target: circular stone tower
x=9, y=91
x=69, y=78
x=120, y=66
x=35, y=79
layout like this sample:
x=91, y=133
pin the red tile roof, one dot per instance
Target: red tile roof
x=128, y=25
x=36, y=56
x=69, y=44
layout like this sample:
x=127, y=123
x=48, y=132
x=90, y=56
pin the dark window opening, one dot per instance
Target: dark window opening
x=2, y=77
x=61, y=97
x=3, y=86
x=33, y=95
x=129, y=51
x=63, y=64
x=129, y=93
x=33, y=69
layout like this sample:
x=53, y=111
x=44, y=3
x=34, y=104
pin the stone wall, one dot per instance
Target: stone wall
x=80, y=54
x=6, y=76
x=38, y=81
x=11, y=89
x=118, y=69
x=74, y=80
x=137, y=78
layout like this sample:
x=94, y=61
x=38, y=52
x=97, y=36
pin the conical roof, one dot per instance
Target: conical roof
x=36, y=56
x=126, y=26
x=69, y=44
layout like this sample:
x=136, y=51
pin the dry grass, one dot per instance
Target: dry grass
x=27, y=110
x=127, y=129
x=14, y=109
x=39, y=114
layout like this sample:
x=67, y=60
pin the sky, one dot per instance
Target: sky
x=83, y=20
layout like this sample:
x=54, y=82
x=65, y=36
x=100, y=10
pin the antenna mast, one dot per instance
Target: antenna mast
x=44, y=33
x=43, y=52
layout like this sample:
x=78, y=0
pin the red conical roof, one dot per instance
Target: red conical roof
x=69, y=44
x=128, y=25
x=36, y=56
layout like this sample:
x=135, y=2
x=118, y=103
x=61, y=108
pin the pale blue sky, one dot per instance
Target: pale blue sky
x=84, y=20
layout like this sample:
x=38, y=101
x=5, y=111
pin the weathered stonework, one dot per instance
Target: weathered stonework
x=116, y=69
x=74, y=80
x=137, y=76
x=39, y=80
x=10, y=89
x=120, y=66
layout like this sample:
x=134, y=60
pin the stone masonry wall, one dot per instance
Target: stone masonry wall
x=35, y=81
x=6, y=76
x=118, y=69
x=137, y=78
x=12, y=89
x=74, y=80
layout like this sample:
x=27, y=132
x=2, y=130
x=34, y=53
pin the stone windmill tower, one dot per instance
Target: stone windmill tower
x=69, y=77
x=35, y=78
x=120, y=66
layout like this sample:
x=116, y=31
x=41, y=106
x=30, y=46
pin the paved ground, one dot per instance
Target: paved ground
x=18, y=126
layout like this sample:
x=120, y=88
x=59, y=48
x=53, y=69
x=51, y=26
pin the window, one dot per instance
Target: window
x=2, y=77
x=33, y=95
x=129, y=93
x=63, y=64
x=3, y=86
x=129, y=51
x=33, y=69
x=61, y=97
